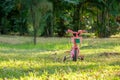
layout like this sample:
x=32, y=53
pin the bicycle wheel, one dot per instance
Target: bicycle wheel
x=75, y=55
x=64, y=59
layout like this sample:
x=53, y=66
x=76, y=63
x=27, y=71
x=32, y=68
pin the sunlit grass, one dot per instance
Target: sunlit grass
x=20, y=59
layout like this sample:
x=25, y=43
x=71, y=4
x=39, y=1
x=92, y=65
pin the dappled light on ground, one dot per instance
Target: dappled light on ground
x=19, y=61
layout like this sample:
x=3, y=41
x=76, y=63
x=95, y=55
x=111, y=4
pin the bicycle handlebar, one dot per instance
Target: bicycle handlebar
x=79, y=31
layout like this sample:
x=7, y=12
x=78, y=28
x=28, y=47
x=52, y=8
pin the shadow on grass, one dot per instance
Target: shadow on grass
x=101, y=46
x=12, y=72
x=104, y=58
x=115, y=63
x=56, y=67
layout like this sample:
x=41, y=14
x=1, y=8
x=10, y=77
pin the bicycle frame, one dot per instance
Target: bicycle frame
x=76, y=38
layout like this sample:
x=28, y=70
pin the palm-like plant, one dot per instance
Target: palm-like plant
x=107, y=25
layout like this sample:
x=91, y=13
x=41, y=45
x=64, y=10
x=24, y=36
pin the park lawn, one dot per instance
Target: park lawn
x=21, y=60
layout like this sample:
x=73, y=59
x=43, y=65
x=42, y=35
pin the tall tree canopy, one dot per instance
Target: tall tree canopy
x=53, y=17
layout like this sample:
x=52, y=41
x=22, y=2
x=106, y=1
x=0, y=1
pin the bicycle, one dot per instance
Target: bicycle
x=76, y=39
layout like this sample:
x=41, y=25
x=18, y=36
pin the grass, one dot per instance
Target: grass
x=21, y=60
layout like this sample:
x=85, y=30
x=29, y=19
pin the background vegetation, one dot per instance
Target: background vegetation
x=53, y=17
x=20, y=59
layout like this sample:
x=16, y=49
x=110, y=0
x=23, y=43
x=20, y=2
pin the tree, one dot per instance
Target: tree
x=46, y=22
x=13, y=17
x=106, y=24
x=53, y=17
x=34, y=7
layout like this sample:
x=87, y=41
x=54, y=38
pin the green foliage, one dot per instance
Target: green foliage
x=13, y=19
x=52, y=18
x=106, y=24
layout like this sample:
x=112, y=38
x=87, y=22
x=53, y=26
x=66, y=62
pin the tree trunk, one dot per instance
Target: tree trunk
x=49, y=25
x=62, y=27
x=33, y=21
x=102, y=26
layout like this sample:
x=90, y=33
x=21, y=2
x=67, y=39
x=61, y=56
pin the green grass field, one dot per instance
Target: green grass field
x=21, y=60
